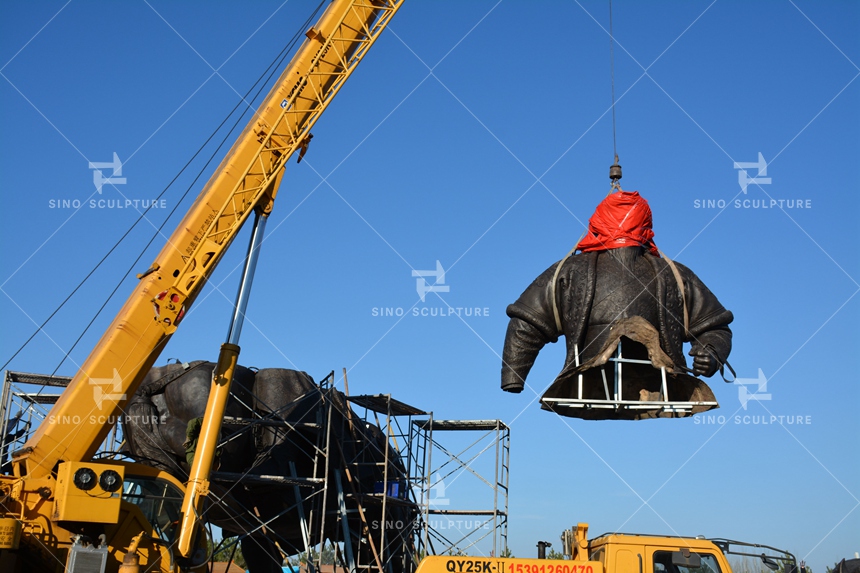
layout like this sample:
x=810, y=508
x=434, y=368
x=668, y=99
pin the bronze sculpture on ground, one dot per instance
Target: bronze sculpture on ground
x=289, y=412
x=619, y=288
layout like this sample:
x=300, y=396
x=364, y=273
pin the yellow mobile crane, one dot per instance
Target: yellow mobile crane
x=59, y=509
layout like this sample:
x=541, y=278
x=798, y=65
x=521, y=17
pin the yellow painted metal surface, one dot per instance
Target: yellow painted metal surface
x=152, y=556
x=627, y=553
x=628, y=560
x=198, y=480
x=467, y=564
x=579, y=549
x=10, y=533
x=657, y=541
x=44, y=543
x=94, y=505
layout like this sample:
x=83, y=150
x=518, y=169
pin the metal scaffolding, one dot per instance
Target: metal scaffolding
x=25, y=402
x=395, y=495
x=441, y=532
x=23, y=406
x=375, y=467
x=377, y=525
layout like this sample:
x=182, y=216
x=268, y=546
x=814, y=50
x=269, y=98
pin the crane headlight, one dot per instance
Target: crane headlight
x=110, y=481
x=84, y=479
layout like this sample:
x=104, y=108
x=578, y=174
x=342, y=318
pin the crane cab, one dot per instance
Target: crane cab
x=631, y=553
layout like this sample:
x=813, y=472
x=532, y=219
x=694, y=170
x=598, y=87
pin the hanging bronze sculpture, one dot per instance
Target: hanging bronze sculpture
x=619, y=296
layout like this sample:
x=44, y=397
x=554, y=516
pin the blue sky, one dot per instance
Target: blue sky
x=478, y=134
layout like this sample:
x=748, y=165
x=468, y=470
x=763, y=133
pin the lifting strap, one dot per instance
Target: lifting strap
x=553, y=283
x=680, y=288
x=680, y=282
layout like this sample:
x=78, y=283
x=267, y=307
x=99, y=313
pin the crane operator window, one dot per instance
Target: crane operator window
x=159, y=500
x=663, y=564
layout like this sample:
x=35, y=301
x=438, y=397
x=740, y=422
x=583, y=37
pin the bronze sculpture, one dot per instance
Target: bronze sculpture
x=620, y=296
x=283, y=412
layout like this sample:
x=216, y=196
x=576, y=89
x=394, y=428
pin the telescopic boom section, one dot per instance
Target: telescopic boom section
x=246, y=180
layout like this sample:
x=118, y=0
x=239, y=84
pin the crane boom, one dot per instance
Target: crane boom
x=246, y=179
x=54, y=500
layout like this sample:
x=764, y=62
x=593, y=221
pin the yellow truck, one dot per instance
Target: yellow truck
x=624, y=553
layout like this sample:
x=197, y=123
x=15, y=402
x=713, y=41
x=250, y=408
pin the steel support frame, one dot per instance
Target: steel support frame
x=616, y=400
x=410, y=438
x=435, y=456
x=395, y=419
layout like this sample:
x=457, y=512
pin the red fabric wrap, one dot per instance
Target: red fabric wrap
x=623, y=219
